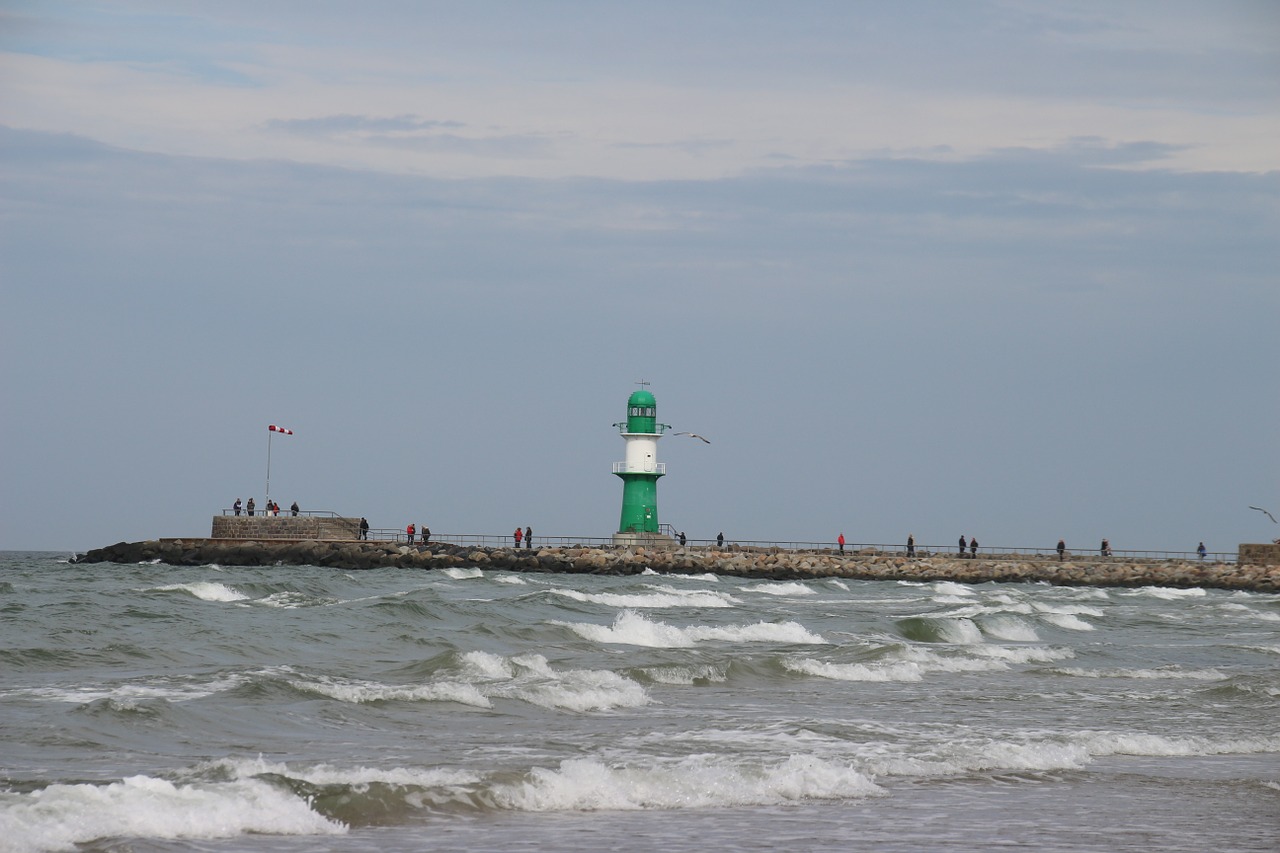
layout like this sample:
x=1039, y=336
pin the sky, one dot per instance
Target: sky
x=998, y=268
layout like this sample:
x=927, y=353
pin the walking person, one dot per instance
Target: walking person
x=911, y=544
x=426, y=535
x=294, y=509
x=364, y=527
x=1106, y=548
x=720, y=539
x=528, y=537
x=1062, y=550
x=841, y=541
x=1202, y=550
x=682, y=539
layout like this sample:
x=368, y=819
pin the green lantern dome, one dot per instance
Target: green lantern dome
x=642, y=412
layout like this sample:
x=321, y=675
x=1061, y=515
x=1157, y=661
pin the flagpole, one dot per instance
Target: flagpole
x=269, y=434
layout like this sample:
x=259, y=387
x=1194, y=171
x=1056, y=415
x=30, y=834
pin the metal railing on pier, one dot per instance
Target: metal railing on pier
x=283, y=513
x=852, y=549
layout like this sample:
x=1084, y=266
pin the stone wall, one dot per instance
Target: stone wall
x=284, y=527
x=1259, y=555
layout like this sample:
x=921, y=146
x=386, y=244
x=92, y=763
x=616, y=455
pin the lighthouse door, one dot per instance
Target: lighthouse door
x=649, y=464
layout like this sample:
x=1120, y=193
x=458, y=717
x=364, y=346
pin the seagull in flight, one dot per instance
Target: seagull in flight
x=707, y=440
x=1267, y=514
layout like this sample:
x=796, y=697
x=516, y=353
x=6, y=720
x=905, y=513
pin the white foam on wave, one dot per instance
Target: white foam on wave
x=952, y=588
x=788, y=588
x=1008, y=627
x=360, y=692
x=634, y=629
x=1022, y=654
x=914, y=663
x=203, y=590
x=662, y=596
x=512, y=579
x=1067, y=609
x=896, y=671
x=706, y=577
x=482, y=677
x=61, y=817
x=463, y=574
x=1169, y=593
x=128, y=696
x=691, y=674
x=288, y=600
x=1128, y=743
x=328, y=774
x=1165, y=672
x=1068, y=621
x=694, y=782
x=839, y=584
x=531, y=678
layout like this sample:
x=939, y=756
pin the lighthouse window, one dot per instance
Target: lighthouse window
x=643, y=412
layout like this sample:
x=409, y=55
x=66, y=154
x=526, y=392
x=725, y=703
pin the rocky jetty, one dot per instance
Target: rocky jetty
x=764, y=564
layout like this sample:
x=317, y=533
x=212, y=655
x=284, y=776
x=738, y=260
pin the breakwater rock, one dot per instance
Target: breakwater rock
x=764, y=564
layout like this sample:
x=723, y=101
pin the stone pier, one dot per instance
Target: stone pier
x=763, y=564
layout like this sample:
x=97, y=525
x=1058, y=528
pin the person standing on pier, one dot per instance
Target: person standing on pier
x=973, y=548
x=962, y=546
x=364, y=527
x=528, y=537
x=409, y=531
x=249, y=506
x=519, y=534
x=1201, y=550
x=1062, y=550
x=426, y=535
x=841, y=541
x=720, y=539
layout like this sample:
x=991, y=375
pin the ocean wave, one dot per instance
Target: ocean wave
x=127, y=696
x=360, y=692
x=1068, y=621
x=63, y=816
x=928, y=629
x=693, y=782
x=478, y=678
x=203, y=590
x=661, y=597
x=1169, y=593
x=887, y=671
x=781, y=588
x=633, y=629
x=686, y=674
x=460, y=574
x=1164, y=672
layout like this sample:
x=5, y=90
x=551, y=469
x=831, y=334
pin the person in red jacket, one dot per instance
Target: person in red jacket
x=841, y=541
x=519, y=534
x=410, y=531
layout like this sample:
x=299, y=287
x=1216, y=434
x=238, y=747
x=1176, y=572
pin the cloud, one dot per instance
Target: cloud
x=343, y=124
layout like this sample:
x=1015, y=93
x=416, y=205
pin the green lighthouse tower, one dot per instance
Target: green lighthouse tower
x=640, y=469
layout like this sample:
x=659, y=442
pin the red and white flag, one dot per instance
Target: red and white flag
x=275, y=428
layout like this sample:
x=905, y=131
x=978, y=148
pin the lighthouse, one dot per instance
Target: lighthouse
x=640, y=469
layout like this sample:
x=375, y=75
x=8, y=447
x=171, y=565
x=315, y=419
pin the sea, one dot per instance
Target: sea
x=299, y=708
